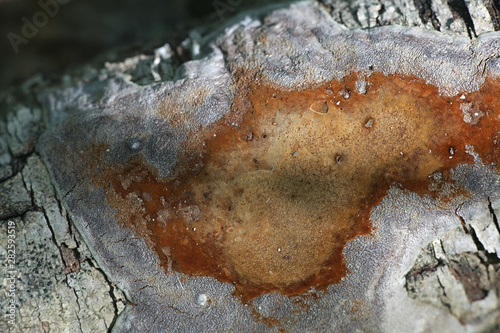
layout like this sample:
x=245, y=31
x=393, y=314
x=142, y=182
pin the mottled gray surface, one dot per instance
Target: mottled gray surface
x=368, y=14
x=303, y=45
x=58, y=287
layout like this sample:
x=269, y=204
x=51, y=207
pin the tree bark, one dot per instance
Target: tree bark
x=59, y=286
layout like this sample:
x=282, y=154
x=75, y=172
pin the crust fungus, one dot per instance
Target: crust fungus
x=230, y=202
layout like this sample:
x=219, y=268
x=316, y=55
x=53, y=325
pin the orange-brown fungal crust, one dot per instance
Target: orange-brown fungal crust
x=269, y=196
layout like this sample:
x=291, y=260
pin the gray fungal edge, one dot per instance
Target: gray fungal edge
x=304, y=46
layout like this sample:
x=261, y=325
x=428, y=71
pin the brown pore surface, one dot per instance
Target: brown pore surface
x=269, y=201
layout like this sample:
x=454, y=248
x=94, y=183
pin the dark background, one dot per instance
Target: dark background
x=84, y=29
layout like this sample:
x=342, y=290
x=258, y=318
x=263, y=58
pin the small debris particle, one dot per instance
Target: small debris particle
x=202, y=299
x=345, y=93
x=361, y=86
x=70, y=261
x=472, y=115
x=295, y=154
x=146, y=196
x=320, y=107
x=248, y=136
x=369, y=123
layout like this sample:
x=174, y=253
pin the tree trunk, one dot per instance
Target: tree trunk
x=82, y=258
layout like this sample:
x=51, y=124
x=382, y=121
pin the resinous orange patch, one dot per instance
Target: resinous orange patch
x=268, y=197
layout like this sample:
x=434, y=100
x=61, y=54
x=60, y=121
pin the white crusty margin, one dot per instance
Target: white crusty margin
x=302, y=45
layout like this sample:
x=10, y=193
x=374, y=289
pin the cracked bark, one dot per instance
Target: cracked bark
x=472, y=273
x=57, y=286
